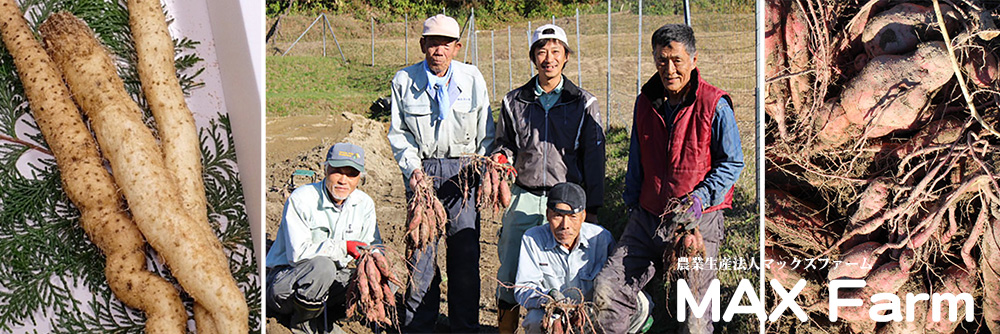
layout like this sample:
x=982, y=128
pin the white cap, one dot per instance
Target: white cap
x=549, y=31
x=441, y=25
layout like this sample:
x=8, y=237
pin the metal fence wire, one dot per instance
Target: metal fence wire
x=613, y=52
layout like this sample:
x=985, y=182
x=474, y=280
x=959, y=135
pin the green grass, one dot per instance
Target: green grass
x=302, y=85
x=308, y=84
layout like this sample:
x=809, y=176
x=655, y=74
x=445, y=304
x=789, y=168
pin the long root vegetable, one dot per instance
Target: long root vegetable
x=369, y=292
x=797, y=48
x=888, y=278
x=87, y=184
x=140, y=171
x=989, y=261
x=426, y=217
x=981, y=67
x=493, y=196
x=382, y=263
x=174, y=121
x=796, y=222
x=788, y=275
x=504, y=195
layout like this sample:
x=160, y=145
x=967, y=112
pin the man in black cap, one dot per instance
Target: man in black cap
x=559, y=260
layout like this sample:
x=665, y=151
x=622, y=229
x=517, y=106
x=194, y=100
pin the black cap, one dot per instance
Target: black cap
x=569, y=193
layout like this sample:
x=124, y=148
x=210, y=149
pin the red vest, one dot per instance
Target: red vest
x=675, y=160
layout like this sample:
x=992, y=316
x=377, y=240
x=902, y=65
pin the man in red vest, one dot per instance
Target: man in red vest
x=685, y=146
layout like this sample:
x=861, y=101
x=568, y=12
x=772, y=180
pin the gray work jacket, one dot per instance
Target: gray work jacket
x=563, y=144
x=415, y=132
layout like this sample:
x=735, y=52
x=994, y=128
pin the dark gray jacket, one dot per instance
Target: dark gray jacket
x=565, y=144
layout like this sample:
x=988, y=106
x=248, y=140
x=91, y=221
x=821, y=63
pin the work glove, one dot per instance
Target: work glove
x=500, y=158
x=417, y=177
x=556, y=294
x=689, y=217
x=352, y=248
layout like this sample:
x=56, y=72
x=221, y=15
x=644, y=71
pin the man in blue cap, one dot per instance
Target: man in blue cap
x=322, y=226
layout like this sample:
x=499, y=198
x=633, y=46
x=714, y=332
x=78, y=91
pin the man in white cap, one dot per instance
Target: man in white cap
x=549, y=130
x=322, y=226
x=440, y=112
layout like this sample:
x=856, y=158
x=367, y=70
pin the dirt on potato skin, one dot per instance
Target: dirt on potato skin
x=384, y=183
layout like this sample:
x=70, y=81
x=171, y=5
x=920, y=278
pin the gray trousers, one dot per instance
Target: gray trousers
x=311, y=294
x=638, y=258
x=423, y=295
x=527, y=210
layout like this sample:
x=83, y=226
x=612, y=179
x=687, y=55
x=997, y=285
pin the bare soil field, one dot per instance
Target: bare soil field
x=384, y=184
x=303, y=122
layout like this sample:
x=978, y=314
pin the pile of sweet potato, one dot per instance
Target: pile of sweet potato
x=370, y=292
x=875, y=155
x=425, y=217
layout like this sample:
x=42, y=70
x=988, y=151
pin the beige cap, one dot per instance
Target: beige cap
x=441, y=25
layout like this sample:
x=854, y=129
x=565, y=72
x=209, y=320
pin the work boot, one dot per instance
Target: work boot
x=307, y=317
x=507, y=317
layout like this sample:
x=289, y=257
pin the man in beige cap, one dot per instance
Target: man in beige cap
x=440, y=111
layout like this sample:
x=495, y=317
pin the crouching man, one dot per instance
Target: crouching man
x=322, y=226
x=559, y=260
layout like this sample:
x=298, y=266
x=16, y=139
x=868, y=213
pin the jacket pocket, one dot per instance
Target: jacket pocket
x=466, y=121
x=417, y=117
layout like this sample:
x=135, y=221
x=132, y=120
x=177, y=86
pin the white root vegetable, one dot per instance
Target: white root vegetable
x=174, y=121
x=140, y=171
x=87, y=184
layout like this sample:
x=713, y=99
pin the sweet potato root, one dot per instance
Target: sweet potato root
x=857, y=262
x=884, y=98
x=138, y=168
x=426, y=217
x=796, y=222
x=797, y=48
x=899, y=29
x=989, y=261
x=954, y=280
x=888, y=278
x=369, y=292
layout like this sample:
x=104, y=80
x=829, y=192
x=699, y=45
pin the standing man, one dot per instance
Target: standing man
x=322, y=226
x=440, y=112
x=560, y=259
x=549, y=130
x=685, y=145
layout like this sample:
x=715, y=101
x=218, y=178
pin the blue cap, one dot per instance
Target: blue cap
x=346, y=155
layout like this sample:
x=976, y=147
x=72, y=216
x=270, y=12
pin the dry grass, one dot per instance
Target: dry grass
x=726, y=59
x=725, y=44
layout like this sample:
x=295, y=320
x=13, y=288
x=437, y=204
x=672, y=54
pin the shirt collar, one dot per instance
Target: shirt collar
x=556, y=91
x=431, y=78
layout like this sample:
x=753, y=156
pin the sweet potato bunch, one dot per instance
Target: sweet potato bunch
x=370, y=293
x=425, y=217
x=493, y=196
